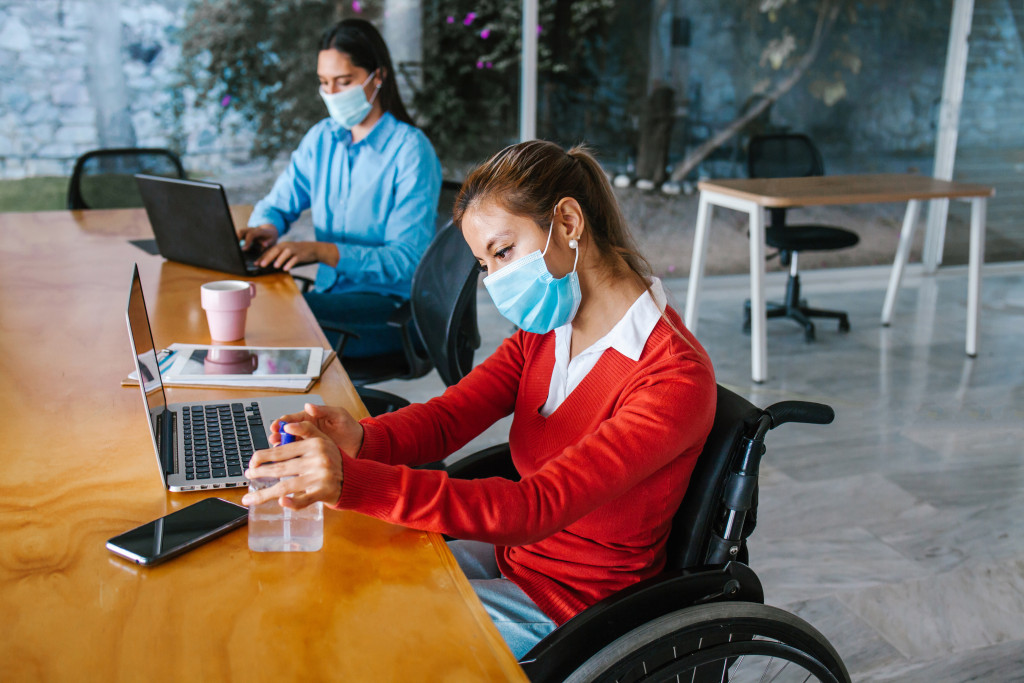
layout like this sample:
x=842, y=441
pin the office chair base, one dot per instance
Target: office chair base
x=797, y=309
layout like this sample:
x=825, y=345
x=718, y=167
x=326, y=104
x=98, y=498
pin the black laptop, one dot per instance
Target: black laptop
x=192, y=224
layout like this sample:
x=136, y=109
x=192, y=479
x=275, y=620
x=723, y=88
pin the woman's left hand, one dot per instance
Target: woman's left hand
x=286, y=255
x=312, y=464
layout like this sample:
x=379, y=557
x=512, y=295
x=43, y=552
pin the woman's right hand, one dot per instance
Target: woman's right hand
x=263, y=235
x=335, y=423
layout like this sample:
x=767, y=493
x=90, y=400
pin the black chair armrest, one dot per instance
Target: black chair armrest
x=343, y=335
x=305, y=283
x=495, y=461
x=566, y=648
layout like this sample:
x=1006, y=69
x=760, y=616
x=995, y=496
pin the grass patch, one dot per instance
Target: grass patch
x=46, y=193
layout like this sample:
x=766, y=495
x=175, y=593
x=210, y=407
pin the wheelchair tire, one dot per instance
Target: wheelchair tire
x=726, y=641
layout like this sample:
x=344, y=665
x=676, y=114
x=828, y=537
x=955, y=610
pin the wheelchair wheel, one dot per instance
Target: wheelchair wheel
x=735, y=642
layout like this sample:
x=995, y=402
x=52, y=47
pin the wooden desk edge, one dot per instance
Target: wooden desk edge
x=953, y=190
x=501, y=651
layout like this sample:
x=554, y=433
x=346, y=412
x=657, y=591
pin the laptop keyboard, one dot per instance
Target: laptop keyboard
x=220, y=439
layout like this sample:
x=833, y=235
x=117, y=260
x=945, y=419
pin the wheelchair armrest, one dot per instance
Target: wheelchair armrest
x=378, y=402
x=495, y=461
x=566, y=648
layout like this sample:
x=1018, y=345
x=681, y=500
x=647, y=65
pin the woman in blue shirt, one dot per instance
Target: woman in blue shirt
x=372, y=181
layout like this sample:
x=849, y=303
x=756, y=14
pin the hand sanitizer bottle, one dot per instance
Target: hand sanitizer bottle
x=273, y=528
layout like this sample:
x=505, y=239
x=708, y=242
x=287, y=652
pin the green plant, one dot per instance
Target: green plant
x=467, y=100
x=258, y=58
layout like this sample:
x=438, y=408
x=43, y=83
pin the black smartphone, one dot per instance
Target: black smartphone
x=178, y=532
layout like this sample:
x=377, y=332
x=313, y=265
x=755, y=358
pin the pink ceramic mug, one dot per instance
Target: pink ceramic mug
x=225, y=303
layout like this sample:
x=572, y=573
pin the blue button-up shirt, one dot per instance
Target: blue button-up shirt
x=375, y=199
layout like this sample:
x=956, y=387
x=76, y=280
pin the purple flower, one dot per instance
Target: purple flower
x=225, y=101
x=469, y=19
x=485, y=33
x=540, y=29
x=451, y=19
x=489, y=65
x=356, y=7
x=479, y=65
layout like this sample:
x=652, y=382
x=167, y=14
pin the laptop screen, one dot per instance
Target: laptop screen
x=145, y=354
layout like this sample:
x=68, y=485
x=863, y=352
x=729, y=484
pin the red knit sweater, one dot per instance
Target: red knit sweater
x=601, y=476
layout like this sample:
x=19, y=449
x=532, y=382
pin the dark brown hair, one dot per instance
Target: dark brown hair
x=366, y=48
x=530, y=178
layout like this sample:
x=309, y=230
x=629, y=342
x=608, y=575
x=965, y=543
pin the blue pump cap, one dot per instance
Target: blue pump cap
x=286, y=437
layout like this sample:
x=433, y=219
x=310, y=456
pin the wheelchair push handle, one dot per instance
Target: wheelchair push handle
x=799, y=411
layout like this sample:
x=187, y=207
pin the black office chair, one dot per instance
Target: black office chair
x=703, y=617
x=446, y=201
x=793, y=155
x=105, y=178
x=438, y=324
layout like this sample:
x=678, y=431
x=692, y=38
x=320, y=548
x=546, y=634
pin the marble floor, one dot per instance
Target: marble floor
x=894, y=530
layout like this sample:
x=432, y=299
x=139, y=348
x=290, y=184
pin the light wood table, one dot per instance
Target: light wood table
x=755, y=195
x=378, y=603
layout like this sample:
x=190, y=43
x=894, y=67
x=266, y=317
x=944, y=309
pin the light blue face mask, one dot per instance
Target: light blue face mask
x=526, y=293
x=349, y=107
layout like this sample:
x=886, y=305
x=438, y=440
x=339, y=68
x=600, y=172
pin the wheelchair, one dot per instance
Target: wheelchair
x=703, y=618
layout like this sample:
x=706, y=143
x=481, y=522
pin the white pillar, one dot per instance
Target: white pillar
x=949, y=123
x=528, y=78
x=403, y=33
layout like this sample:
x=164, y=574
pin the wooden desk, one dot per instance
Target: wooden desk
x=755, y=195
x=379, y=603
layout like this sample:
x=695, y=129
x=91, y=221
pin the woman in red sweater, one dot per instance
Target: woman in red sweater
x=612, y=399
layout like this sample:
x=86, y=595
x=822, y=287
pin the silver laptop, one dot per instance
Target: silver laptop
x=192, y=224
x=203, y=445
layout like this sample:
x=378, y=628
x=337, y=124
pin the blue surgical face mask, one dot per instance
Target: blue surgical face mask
x=349, y=107
x=526, y=293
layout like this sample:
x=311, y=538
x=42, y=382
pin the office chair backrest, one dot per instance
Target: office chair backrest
x=444, y=303
x=105, y=178
x=783, y=155
x=694, y=521
x=446, y=202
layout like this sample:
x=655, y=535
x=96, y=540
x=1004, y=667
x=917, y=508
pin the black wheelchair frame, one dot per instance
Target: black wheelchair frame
x=703, y=617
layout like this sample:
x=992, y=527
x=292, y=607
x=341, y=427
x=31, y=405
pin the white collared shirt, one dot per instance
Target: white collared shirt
x=628, y=337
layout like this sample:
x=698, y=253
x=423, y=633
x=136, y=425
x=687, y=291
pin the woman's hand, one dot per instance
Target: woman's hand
x=265, y=236
x=309, y=470
x=335, y=423
x=287, y=255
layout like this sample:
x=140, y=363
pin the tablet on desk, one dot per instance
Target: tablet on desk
x=225, y=362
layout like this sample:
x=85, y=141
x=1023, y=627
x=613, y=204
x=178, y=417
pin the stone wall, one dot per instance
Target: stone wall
x=82, y=74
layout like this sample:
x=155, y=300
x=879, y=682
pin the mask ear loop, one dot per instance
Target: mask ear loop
x=547, y=242
x=573, y=244
x=376, y=88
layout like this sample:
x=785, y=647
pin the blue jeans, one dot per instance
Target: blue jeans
x=521, y=623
